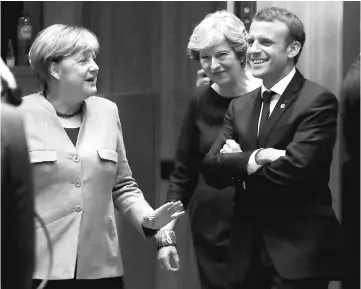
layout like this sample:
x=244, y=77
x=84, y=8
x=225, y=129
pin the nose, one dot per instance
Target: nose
x=215, y=63
x=254, y=48
x=93, y=66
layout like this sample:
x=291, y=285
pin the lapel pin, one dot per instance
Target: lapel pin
x=283, y=104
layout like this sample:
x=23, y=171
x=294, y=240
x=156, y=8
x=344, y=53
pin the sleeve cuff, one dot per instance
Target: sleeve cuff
x=149, y=232
x=252, y=167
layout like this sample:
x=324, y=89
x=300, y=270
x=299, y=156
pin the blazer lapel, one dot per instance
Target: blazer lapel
x=251, y=130
x=282, y=105
x=89, y=123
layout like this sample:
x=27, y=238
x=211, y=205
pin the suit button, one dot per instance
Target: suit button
x=77, y=184
x=76, y=159
x=78, y=208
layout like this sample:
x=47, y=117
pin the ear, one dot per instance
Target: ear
x=54, y=70
x=293, y=49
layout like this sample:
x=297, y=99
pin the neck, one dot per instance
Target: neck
x=60, y=104
x=270, y=81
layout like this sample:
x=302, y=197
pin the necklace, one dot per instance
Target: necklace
x=64, y=115
x=78, y=111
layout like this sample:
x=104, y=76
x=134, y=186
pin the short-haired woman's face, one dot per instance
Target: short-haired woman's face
x=78, y=74
x=220, y=63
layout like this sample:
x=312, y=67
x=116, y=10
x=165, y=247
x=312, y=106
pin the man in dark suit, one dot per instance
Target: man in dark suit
x=276, y=147
x=350, y=169
x=17, y=204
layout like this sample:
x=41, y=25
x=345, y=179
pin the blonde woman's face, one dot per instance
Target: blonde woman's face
x=220, y=63
x=78, y=74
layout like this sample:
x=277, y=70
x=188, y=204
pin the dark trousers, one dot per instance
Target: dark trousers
x=261, y=274
x=105, y=283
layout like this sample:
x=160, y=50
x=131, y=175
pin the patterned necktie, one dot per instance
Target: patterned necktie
x=266, y=99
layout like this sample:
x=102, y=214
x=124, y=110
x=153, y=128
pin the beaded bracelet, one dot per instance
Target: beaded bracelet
x=165, y=237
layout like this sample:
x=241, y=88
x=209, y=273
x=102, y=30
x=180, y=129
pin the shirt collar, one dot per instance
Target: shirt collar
x=281, y=86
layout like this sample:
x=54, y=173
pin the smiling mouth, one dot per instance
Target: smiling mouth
x=259, y=61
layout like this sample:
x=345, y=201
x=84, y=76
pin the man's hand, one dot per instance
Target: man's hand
x=168, y=258
x=202, y=78
x=231, y=147
x=269, y=155
x=163, y=215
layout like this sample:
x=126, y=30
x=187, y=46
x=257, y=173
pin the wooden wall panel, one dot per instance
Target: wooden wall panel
x=125, y=31
x=128, y=33
x=137, y=114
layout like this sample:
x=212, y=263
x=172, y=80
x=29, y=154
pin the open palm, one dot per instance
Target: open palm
x=163, y=215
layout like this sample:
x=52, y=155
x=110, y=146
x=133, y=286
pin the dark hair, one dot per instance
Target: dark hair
x=294, y=24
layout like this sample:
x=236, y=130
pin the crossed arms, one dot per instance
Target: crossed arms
x=309, y=151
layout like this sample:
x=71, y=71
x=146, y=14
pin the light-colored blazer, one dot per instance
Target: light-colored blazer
x=76, y=189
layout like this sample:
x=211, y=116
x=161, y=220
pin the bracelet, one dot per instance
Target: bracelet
x=165, y=237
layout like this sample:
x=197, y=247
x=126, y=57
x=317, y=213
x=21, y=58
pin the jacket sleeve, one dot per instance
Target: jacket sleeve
x=225, y=169
x=127, y=197
x=188, y=158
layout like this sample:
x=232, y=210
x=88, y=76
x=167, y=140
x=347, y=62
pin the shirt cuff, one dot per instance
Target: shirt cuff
x=149, y=232
x=252, y=166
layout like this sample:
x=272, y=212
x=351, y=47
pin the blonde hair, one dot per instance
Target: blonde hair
x=215, y=28
x=56, y=42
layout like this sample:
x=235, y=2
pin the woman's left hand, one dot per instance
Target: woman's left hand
x=163, y=215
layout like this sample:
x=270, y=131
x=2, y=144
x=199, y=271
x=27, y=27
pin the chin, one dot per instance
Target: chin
x=90, y=92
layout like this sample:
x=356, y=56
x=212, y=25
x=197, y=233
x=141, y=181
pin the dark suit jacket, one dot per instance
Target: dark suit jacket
x=17, y=205
x=287, y=201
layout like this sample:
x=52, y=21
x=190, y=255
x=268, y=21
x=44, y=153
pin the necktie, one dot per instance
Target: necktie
x=266, y=99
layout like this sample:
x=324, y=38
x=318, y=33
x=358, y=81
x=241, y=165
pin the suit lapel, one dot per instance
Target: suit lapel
x=282, y=105
x=251, y=130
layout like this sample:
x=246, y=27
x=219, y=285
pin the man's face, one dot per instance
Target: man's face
x=268, y=52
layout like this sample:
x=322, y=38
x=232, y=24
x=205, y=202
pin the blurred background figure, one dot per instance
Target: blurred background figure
x=350, y=168
x=17, y=204
x=80, y=166
x=218, y=43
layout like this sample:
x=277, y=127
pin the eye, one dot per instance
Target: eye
x=83, y=60
x=205, y=58
x=250, y=42
x=222, y=55
x=265, y=42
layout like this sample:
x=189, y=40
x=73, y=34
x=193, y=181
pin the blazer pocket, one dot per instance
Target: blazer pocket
x=42, y=156
x=108, y=154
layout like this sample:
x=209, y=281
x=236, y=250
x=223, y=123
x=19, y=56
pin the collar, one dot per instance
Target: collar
x=281, y=86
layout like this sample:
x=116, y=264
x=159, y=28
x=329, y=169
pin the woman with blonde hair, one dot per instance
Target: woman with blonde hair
x=219, y=44
x=80, y=166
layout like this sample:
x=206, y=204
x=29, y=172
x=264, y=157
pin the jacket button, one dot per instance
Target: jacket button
x=78, y=208
x=76, y=159
x=77, y=184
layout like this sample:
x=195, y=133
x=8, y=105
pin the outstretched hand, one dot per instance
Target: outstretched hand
x=163, y=215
